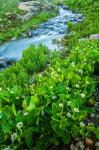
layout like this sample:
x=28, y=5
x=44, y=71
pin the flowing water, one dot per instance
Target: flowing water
x=54, y=28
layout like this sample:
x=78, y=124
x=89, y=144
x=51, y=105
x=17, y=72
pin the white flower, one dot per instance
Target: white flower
x=67, y=88
x=73, y=64
x=51, y=87
x=54, y=97
x=77, y=85
x=81, y=71
x=87, y=82
x=7, y=148
x=76, y=110
x=69, y=103
x=13, y=137
x=82, y=95
x=25, y=113
x=68, y=115
x=59, y=69
x=0, y=89
x=19, y=125
x=61, y=105
x=82, y=124
x=17, y=97
x=11, y=92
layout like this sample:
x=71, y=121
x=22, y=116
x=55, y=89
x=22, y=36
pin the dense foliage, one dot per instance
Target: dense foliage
x=52, y=108
x=90, y=10
x=47, y=97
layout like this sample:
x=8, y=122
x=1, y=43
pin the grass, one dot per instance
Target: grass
x=90, y=10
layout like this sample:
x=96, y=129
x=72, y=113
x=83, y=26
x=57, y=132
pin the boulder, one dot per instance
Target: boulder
x=94, y=37
x=32, y=8
x=14, y=38
x=29, y=6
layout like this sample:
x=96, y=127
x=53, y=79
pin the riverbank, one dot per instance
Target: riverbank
x=16, y=22
x=89, y=27
x=54, y=28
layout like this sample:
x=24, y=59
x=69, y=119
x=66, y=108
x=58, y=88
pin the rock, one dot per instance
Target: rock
x=2, y=63
x=73, y=147
x=89, y=142
x=27, y=16
x=94, y=37
x=32, y=7
x=81, y=145
x=14, y=38
x=28, y=6
x=30, y=34
x=97, y=144
x=64, y=7
x=97, y=106
x=23, y=35
x=97, y=116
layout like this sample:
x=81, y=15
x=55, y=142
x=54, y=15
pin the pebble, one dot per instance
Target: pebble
x=97, y=144
x=73, y=147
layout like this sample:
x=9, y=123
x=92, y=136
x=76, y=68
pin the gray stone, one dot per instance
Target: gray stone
x=32, y=7
x=97, y=144
x=14, y=38
x=81, y=145
x=73, y=147
x=94, y=37
x=23, y=35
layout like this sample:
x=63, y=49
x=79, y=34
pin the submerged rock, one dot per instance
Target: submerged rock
x=4, y=62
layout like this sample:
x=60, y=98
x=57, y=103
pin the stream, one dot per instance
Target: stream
x=54, y=28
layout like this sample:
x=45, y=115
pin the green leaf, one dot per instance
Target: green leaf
x=14, y=110
x=24, y=104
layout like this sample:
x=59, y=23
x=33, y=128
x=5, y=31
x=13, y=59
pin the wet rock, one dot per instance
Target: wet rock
x=97, y=116
x=97, y=106
x=2, y=63
x=30, y=34
x=23, y=35
x=14, y=38
x=97, y=144
x=26, y=16
x=28, y=6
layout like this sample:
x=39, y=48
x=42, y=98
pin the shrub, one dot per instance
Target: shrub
x=54, y=110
